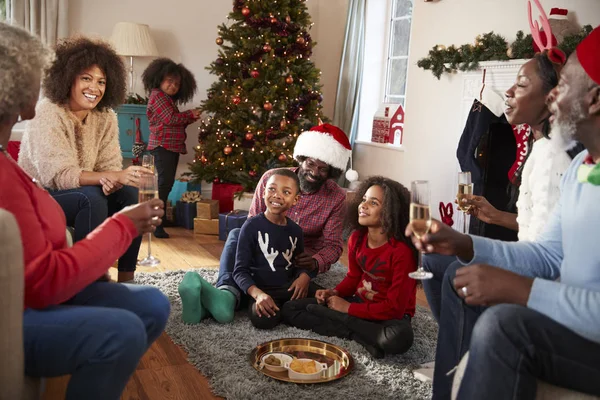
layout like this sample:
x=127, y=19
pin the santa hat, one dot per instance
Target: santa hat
x=326, y=143
x=587, y=53
x=558, y=13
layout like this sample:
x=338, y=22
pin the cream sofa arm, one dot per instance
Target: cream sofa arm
x=11, y=308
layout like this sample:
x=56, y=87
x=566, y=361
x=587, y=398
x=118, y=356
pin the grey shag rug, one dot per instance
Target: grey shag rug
x=220, y=352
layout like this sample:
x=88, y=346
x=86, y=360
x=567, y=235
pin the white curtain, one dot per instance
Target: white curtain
x=45, y=18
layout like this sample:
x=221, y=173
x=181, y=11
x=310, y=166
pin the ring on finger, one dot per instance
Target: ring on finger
x=464, y=290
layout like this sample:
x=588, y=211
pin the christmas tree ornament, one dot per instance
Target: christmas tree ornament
x=219, y=41
x=283, y=124
x=282, y=157
x=252, y=173
x=216, y=180
x=326, y=143
x=203, y=159
x=288, y=19
x=509, y=52
x=300, y=40
x=254, y=73
x=249, y=136
x=227, y=150
x=245, y=11
x=236, y=100
x=441, y=47
x=273, y=20
x=267, y=48
x=219, y=61
x=289, y=79
x=268, y=106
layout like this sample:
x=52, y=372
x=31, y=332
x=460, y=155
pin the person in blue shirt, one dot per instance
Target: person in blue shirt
x=505, y=302
x=264, y=264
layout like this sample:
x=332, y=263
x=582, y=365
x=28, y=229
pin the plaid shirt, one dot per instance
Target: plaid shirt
x=167, y=124
x=319, y=214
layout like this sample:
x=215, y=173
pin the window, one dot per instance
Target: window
x=397, y=62
x=386, y=59
x=3, y=10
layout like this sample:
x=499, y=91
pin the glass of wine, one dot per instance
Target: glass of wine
x=465, y=191
x=148, y=162
x=420, y=220
x=148, y=190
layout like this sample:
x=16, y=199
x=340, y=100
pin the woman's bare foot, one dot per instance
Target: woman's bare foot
x=125, y=276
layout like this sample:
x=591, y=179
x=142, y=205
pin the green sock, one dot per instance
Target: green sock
x=189, y=290
x=220, y=303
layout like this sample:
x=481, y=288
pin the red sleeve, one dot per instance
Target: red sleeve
x=347, y=287
x=54, y=275
x=399, y=293
x=258, y=203
x=166, y=112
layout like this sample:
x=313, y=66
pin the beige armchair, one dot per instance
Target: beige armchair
x=545, y=391
x=13, y=383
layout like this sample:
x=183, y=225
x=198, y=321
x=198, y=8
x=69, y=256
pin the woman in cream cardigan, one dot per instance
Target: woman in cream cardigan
x=95, y=331
x=72, y=146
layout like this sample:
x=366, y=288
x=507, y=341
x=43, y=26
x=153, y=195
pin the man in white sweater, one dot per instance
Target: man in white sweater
x=535, y=327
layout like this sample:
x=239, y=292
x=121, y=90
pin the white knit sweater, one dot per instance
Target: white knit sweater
x=540, y=190
x=57, y=147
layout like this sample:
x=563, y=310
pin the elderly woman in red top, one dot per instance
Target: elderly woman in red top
x=95, y=331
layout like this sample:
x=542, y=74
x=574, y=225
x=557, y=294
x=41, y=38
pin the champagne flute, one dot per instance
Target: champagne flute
x=465, y=191
x=148, y=162
x=420, y=220
x=148, y=190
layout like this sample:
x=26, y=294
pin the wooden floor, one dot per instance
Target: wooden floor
x=163, y=372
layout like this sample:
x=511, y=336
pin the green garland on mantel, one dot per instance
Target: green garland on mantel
x=489, y=47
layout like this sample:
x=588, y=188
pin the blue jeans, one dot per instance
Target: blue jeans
x=227, y=263
x=98, y=336
x=436, y=264
x=512, y=346
x=87, y=207
x=455, y=328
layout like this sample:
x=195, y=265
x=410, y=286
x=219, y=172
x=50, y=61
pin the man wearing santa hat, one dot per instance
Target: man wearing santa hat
x=507, y=305
x=322, y=153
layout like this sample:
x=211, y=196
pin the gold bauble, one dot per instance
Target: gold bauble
x=268, y=106
x=289, y=80
x=283, y=124
x=219, y=41
x=509, y=52
x=227, y=150
x=300, y=40
x=282, y=157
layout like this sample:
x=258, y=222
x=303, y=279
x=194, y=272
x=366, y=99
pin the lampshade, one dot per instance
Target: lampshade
x=134, y=40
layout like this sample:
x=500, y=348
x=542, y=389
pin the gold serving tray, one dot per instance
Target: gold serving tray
x=338, y=360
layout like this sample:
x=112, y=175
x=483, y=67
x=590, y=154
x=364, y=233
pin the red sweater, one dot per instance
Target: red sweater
x=53, y=272
x=380, y=277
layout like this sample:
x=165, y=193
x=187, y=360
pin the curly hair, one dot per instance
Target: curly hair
x=160, y=68
x=75, y=55
x=394, y=211
x=22, y=58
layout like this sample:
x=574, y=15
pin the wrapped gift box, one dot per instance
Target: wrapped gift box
x=207, y=209
x=231, y=220
x=185, y=214
x=180, y=187
x=224, y=193
x=203, y=226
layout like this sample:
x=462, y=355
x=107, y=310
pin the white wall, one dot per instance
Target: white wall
x=186, y=30
x=433, y=120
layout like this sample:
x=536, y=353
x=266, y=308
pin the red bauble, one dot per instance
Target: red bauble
x=249, y=136
x=236, y=100
x=268, y=106
x=300, y=40
x=203, y=159
x=245, y=11
x=227, y=150
x=289, y=80
x=282, y=157
x=216, y=180
x=252, y=173
x=273, y=20
x=219, y=41
x=288, y=19
x=267, y=48
x=254, y=73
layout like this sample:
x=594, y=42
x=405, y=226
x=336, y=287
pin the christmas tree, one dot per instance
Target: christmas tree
x=267, y=93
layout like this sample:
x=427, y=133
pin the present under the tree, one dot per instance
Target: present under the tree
x=180, y=187
x=207, y=209
x=185, y=212
x=203, y=226
x=230, y=220
x=224, y=193
x=169, y=212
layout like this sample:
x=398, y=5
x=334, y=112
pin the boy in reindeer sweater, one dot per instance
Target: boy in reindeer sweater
x=264, y=268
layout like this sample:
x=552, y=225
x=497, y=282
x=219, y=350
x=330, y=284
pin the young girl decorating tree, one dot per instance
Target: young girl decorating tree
x=169, y=84
x=375, y=302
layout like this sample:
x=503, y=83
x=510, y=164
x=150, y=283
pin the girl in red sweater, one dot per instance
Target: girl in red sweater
x=375, y=302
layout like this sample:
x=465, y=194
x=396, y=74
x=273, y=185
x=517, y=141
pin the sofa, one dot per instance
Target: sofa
x=13, y=383
x=545, y=391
